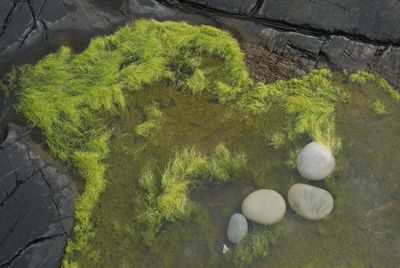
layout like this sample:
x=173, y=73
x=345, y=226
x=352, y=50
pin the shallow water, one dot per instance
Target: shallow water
x=363, y=230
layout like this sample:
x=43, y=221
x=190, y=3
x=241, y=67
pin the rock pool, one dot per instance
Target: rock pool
x=188, y=88
x=362, y=231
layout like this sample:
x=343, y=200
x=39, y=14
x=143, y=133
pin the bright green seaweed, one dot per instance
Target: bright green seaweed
x=75, y=100
x=166, y=196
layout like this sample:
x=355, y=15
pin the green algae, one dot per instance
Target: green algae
x=165, y=197
x=256, y=245
x=309, y=104
x=167, y=86
x=378, y=107
x=152, y=124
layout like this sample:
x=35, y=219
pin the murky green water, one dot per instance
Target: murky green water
x=363, y=230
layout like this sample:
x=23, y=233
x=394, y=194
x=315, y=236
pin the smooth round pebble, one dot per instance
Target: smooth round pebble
x=264, y=207
x=310, y=202
x=315, y=161
x=237, y=228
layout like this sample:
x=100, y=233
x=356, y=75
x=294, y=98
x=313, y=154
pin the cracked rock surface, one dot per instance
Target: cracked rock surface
x=375, y=20
x=36, y=205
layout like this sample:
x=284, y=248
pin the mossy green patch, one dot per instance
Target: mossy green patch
x=378, y=107
x=152, y=123
x=309, y=104
x=256, y=245
x=166, y=196
x=362, y=78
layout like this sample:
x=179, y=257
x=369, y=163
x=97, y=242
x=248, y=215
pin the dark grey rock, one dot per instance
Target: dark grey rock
x=387, y=63
x=377, y=20
x=67, y=224
x=33, y=209
x=141, y=7
x=36, y=206
x=200, y=2
x=7, y=185
x=346, y=54
x=5, y=168
x=308, y=44
x=228, y=6
x=18, y=157
x=50, y=173
x=248, y=7
x=65, y=202
x=14, y=134
x=43, y=253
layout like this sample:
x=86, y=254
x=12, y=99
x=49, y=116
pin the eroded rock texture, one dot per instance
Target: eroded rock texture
x=36, y=205
x=40, y=26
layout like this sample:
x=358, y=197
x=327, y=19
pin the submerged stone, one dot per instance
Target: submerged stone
x=237, y=228
x=310, y=202
x=315, y=161
x=264, y=207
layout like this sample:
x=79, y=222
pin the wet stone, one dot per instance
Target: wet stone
x=310, y=202
x=264, y=207
x=315, y=161
x=237, y=228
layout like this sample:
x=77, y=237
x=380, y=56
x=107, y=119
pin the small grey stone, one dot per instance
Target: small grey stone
x=237, y=228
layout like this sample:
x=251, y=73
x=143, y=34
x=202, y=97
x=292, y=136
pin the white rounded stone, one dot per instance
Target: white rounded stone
x=315, y=161
x=310, y=202
x=264, y=207
x=237, y=228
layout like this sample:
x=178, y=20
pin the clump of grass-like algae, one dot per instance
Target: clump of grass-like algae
x=256, y=245
x=363, y=77
x=166, y=196
x=152, y=124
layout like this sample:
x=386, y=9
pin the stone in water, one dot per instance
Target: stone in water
x=315, y=161
x=237, y=228
x=310, y=202
x=264, y=207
